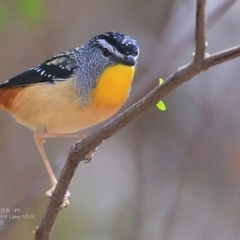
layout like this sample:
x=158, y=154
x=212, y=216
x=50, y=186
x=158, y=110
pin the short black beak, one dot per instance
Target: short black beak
x=129, y=60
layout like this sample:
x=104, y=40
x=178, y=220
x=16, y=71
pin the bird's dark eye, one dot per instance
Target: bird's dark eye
x=106, y=52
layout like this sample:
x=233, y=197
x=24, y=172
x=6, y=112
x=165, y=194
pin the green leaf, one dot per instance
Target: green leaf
x=161, y=81
x=161, y=106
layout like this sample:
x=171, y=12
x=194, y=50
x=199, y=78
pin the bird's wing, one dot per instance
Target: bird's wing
x=57, y=68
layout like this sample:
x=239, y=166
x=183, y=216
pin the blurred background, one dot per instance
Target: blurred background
x=168, y=175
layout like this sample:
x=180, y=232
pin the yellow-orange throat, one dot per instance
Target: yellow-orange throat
x=113, y=86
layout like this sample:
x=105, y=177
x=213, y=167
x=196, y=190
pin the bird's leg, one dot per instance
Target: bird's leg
x=39, y=140
x=55, y=135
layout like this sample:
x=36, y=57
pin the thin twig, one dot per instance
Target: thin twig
x=179, y=49
x=78, y=152
x=221, y=57
x=200, y=30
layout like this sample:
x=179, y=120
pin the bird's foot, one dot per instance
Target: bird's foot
x=88, y=157
x=65, y=201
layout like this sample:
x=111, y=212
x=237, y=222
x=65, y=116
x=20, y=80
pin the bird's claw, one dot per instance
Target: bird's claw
x=65, y=201
x=88, y=157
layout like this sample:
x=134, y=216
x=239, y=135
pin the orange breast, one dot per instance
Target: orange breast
x=113, y=86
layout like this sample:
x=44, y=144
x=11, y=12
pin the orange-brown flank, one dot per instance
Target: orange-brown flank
x=57, y=107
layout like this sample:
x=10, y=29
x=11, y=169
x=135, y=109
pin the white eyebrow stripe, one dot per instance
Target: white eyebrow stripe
x=112, y=49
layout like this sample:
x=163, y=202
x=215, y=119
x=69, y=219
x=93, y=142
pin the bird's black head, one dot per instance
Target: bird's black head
x=118, y=46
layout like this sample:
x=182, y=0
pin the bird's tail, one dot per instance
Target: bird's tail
x=7, y=96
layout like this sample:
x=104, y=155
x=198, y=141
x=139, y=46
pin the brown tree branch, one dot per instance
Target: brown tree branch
x=182, y=75
x=200, y=30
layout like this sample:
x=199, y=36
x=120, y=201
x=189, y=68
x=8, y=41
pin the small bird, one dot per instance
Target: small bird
x=73, y=90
